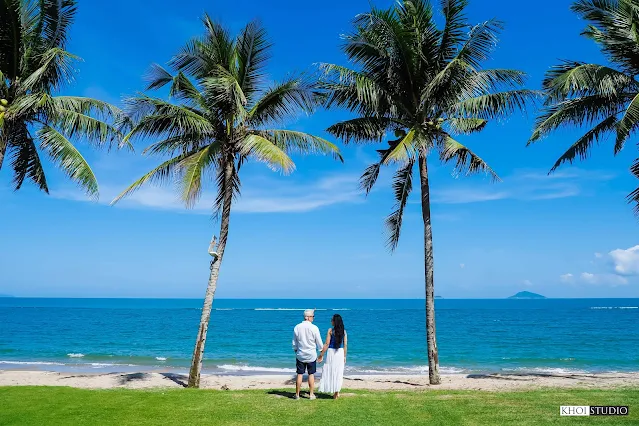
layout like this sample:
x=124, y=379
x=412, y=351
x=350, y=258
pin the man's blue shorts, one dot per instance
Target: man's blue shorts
x=303, y=367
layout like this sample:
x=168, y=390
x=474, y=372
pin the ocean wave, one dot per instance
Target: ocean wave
x=285, y=309
x=78, y=355
x=614, y=307
x=544, y=370
x=160, y=358
x=419, y=369
x=31, y=363
x=238, y=368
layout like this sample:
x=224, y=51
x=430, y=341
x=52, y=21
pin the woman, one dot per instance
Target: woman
x=336, y=345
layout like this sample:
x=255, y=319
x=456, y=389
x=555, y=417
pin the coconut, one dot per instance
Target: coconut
x=2, y=109
x=4, y=102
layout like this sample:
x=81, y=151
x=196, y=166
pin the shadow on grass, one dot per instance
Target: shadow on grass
x=385, y=381
x=303, y=395
x=180, y=379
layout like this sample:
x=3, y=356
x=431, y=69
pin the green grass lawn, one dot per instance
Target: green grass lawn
x=68, y=406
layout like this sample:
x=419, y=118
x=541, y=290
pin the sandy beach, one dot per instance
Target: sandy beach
x=159, y=379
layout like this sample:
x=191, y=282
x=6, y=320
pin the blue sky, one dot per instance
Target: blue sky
x=311, y=234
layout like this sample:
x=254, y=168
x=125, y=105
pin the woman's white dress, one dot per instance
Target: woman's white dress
x=333, y=371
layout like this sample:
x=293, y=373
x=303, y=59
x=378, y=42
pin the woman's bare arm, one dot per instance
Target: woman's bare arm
x=345, y=345
x=327, y=342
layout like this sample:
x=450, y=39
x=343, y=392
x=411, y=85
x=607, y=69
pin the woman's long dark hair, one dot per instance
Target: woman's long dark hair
x=338, y=330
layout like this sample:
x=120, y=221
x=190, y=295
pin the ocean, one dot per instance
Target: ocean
x=385, y=336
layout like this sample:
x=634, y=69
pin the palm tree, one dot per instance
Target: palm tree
x=222, y=118
x=33, y=66
x=603, y=98
x=426, y=85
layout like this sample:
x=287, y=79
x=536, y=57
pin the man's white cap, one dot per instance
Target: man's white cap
x=309, y=313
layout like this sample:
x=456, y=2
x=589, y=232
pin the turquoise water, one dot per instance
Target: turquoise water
x=254, y=336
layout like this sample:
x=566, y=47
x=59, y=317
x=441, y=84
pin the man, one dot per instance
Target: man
x=306, y=342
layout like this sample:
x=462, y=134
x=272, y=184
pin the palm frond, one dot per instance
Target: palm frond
x=252, y=56
x=223, y=90
x=633, y=197
x=26, y=164
x=221, y=187
x=362, y=129
x=291, y=141
x=402, y=151
x=200, y=56
x=156, y=117
x=585, y=110
x=157, y=77
x=466, y=126
x=494, y=105
x=192, y=168
x=454, y=32
x=69, y=159
x=56, y=69
x=266, y=151
x=369, y=177
x=10, y=38
x=283, y=100
x=481, y=41
x=577, y=79
x=353, y=90
x=402, y=186
x=162, y=174
x=181, y=144
x=57, y=16
x=628, y=123
x=581, y=148
x=183, y=89
x=466, y=162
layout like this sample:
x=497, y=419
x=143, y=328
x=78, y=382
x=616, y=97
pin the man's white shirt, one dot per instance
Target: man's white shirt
x=306, y=341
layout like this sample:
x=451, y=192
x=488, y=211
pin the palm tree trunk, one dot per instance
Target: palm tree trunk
x=198, y=352
x=431, y=338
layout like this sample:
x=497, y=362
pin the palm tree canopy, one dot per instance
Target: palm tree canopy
x=425, y=84
x=605, y=98
x=34, y=65
x=221, y=112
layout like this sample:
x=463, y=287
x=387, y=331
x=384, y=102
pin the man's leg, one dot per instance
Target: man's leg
x=311, y=384
x=312, y=367
x=299, y=367
x=298, y=384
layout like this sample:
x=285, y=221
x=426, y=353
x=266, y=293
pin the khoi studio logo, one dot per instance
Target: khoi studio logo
x=593, y=410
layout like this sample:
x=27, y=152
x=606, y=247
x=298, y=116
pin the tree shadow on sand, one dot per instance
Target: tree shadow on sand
x=127, y=378
x=531, y=376
x=180, y=379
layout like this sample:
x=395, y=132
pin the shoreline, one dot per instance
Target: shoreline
x=169, y=379
x=249, y=370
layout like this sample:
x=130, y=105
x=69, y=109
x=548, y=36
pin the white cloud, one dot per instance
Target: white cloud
x=567, y=278
x=462, y=266
x=602, y=279
x=267, y=196
x=523, y=185
x=617, y=267
x=527, y=283
x=625, y=262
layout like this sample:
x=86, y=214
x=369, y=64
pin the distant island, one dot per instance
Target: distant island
x=527, y=295
x=438, y=297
